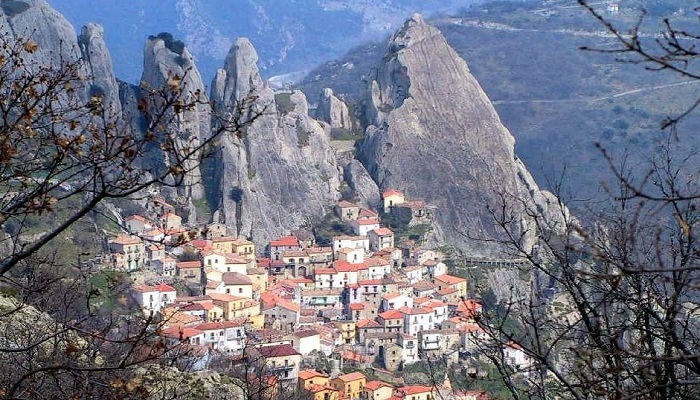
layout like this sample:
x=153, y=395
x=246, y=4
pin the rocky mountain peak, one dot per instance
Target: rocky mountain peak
x=414, y=30
x=282, y=172
x=98, y=60
x=165, y=57
x=433, y=133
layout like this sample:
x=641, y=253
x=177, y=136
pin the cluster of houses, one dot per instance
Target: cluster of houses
x=362, y=300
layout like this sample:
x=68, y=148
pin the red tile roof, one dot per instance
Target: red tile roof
x=235, y=278
x=189, y=264
x=374, y=385
x=391, y=192
x=449, y=279
x=280, y=350
x=357, y=306
x=157, y=288
x=285, y=241
x=310, y=373
x=368, y=221
x=383, y=232
x=367, y=323
x=415, y=389
x=353, y=376
x=391, y=314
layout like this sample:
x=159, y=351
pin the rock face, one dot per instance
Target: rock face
x=333, y=110
x=35, y=19
x=362, y=185
x=164, y=59
x=433, y=133
x=99, y=62
x=280, y=170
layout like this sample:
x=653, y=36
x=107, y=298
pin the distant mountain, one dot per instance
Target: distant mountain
x=289, y=35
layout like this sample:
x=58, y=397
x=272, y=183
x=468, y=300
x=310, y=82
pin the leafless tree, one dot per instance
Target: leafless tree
x=613, y=307
x=63, y=153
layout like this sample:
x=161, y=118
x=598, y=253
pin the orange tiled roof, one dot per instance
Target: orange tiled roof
x=391, y=192
x=285, y=241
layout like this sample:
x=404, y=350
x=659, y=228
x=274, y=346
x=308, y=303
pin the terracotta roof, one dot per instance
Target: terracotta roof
x=201, y=244
x=345, y=204
x=356, y=306
x=126, y=240
x=345, y=266
x=310, y=373
x=353, y=376
x=367, y=323
x=288, y=305
x=391, y=192
x=175, y=317
x=415, y=389
x=304, y=334
x=412, y=204
x=370, y=282
x=189, y=264
x=285, y=241
x=319, y=250
x=423, y=285
x=280, y=350
x=135, y=217
x=223, y=239
x=181, y=333
x=325, y=271
x=390, y=296
x=235, y=278
x=376, y=262
x=432, y=304
x=365, y=213
x=224, y=297
x=368, y=221
x=414, y=311
x=374, y=385
x=391, y=314
x=449, y=279
x=295, y=253
x=446, y=291
x=383, y=232
x=157, y=288
x=211, y=326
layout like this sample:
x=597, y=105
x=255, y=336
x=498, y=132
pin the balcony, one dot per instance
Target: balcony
x=431, y=340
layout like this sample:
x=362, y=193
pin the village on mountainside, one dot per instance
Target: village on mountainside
x=362, y=302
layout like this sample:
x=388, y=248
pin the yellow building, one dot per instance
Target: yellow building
x=449, y=281
x=378, y=390
x=317, y=384
x=350, y=386
x=347, y=331
x=259, y=278
x=244, y=248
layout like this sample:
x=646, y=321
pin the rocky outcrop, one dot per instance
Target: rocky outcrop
x=363, y=186
x=99, y=64
x=433, y=133
x=36, y=20
x=167, y=61
x=333, y=110
x=279, y=170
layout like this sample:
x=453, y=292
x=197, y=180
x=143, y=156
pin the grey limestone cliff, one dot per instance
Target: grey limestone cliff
x=279, y=170
x=164, y=59
x=363, y=186
x=333, y=111
x=99, y=63
x=433, y=133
